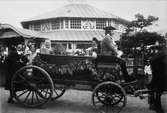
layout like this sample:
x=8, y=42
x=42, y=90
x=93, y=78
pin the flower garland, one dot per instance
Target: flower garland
x=79, y=70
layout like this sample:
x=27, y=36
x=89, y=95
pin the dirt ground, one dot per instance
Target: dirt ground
x=75, y=102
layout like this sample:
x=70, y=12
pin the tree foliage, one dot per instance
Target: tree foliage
x=136, y=37
x=140, y=23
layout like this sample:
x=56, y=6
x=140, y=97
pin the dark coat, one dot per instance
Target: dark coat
x=12, y=63
x=159, y=70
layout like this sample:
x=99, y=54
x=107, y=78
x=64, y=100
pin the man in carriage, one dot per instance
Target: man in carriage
x=110, y=53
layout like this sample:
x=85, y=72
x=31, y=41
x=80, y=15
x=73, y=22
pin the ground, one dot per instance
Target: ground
x=75, y=102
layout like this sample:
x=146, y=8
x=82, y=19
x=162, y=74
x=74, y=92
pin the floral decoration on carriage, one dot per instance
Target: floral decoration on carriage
x=84, y=69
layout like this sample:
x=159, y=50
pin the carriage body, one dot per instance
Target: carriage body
x=49, y=76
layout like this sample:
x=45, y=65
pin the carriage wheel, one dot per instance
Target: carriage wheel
x=58, y=92
x=109, y=97
x=32, y=86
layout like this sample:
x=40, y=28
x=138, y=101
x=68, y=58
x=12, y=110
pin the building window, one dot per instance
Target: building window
x=69, y=46
x=64, y=45
x=61, y=24
x=100, y=24
x=45, y=27
x=83, y=46
x=111, y=23
x=31, y=27
x=75, y=24
x=55, y=25
x=37, y=27
x=66, y=24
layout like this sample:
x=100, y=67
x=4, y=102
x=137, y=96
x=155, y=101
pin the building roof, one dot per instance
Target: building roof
x=59, y=35
x=76, y=11
x=18, y=31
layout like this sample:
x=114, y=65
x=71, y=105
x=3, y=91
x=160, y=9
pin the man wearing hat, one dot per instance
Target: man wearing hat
x=108, y=44
x=109, y=48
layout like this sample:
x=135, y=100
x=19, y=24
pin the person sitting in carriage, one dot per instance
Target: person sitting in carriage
x=33, y=52
x=95, y=48
x=108, y=48
x=46, y=48
x=15, y=60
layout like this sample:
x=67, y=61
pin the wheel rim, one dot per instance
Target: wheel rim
x=108, y=97
x=32, y=86
x=58, y=92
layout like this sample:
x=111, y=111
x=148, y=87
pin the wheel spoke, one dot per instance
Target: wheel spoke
x=32, y=97
x=39, y=92
x=36, y=94
x=56, y=92
x=22, y=93
x=21, y=77
x=26, y=97
x=46, y=92
x=102, y=95
x=18, y=82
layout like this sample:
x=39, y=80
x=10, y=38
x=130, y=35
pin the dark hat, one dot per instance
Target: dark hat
x=109, y=28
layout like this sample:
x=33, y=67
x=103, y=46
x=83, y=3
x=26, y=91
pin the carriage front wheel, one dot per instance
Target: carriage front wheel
x=109, y=97
x=32, y=86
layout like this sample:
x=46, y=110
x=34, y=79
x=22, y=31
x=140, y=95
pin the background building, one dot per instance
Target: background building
x=74, y=25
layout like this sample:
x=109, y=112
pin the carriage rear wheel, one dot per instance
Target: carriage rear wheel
x=32, y=86
x=58, y=92
x=109, y=97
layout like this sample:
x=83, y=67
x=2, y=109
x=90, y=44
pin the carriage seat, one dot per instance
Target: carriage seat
x=106, y=62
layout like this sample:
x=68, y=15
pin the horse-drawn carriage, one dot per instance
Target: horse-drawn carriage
x=49, y=76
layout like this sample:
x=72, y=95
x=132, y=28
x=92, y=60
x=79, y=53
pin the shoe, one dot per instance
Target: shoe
x=10, y=100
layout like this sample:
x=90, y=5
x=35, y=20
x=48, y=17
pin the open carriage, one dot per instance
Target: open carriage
x=49, y=76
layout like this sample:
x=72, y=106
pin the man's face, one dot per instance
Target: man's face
x=108, y=36
x=111, y=33
x=47, y=44
x=32, y=48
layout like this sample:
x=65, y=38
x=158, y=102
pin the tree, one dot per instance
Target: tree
x=136, y=38
x=136, y=34
x=140, y=23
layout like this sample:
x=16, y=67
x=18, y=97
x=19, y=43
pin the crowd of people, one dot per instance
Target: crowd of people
x=30, y=50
